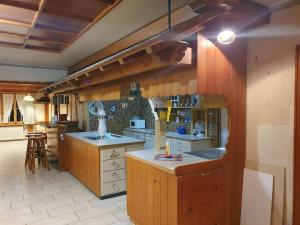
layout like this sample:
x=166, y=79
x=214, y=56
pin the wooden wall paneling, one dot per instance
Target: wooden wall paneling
x=210, y=68
x=233, y=59
x=150, y=196
x=191, y=81
x=164, y=194
x=296, y=199
x=157, y=197
x=237, y=100
x=201, y=64
x=175, y=195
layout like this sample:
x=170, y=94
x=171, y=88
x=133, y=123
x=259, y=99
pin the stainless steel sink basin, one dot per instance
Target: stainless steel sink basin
x=108, y=136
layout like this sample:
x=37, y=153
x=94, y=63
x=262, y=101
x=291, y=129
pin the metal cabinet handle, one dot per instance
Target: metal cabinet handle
x=115, y=186
x=114, y=154
x=115, y=164
x=205, y=173
x=115, y=175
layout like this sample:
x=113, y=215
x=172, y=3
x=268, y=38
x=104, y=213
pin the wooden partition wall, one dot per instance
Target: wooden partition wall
x=221, y=70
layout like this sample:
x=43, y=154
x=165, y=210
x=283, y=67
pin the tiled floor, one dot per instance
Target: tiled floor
x=49, y=197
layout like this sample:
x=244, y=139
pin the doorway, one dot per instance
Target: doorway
x=297, y=142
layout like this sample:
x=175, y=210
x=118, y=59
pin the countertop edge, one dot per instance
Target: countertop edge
x=172, y=172
x=104, y=145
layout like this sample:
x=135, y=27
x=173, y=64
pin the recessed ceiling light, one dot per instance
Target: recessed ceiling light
x=226, y=37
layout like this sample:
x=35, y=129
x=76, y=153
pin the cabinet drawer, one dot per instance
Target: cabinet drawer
x=179, y=149
x=114, y=164
x=181, y=143
x=116, y=153
x=113, y=187
x=113, y=175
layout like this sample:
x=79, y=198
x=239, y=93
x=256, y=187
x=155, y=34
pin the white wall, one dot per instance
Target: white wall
x=270, y=95
x=30, y=74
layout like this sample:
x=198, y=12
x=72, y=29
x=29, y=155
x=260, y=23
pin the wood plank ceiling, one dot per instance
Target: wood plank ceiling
x=48, y=25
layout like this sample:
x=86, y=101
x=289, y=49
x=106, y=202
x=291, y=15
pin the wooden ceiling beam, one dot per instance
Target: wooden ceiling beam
x=165, y=57
x=7, y=44
x=69, y=15
x=39, y=48
x=35, y=19
x=53, y=30
x=45, y=40
x=20, y=4
x=20, y=87
x=110, y=2
x=11, y=34
x=15, y=22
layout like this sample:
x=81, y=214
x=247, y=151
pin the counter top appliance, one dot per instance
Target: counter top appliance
x=137, y=124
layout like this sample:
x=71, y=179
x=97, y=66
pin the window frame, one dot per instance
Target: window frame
x=14, y=108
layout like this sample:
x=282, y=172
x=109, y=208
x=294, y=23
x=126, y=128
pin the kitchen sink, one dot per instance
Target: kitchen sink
x=108, y=136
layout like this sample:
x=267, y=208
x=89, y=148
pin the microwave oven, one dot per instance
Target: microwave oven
x=138, y=124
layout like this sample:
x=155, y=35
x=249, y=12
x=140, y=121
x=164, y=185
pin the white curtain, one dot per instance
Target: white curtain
x=8, y=101
x=21, y=104
x=29, y=113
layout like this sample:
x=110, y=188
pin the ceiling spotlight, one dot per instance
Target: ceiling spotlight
x=226, y=37
x=28, y=98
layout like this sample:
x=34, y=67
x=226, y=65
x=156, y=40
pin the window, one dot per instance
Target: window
x=15, y=115
x=12, y=116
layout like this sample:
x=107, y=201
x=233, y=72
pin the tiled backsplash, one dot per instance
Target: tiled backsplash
x=120, y=119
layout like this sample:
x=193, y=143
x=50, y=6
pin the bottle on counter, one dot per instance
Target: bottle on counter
x=168, y=148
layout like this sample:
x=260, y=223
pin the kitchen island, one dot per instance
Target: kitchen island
x=186, y=192
x=99, y=163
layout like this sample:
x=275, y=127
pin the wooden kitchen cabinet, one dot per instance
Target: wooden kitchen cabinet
x=83, y=162
x=101, y=169
x=155, y=197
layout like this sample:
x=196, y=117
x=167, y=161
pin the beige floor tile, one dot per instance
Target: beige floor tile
x=62, y=220
x=20, y=204
x=121, y=214
x=8, y=214
x=92, y=212
x=50, y=197
x=69, y=208
x=106, y=219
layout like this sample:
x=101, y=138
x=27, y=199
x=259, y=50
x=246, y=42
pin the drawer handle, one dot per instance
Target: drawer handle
x=206, y=173
x=115, y=175
x=115, y=164
x=114, y=154
x=115, y=186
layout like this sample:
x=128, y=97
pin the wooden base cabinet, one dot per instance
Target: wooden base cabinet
x=102, y=170
x=83, y=162
x=155, y=197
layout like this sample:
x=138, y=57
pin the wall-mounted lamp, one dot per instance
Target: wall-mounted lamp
x=226, y=37
x=28, y=98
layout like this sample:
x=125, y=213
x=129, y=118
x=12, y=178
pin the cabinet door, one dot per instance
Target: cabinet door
x=151, y=195
x=136, y=191
x=201, y=198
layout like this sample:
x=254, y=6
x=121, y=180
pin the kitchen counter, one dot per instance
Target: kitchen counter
x=185, y=137
x=110, y=140
x=147, y=157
